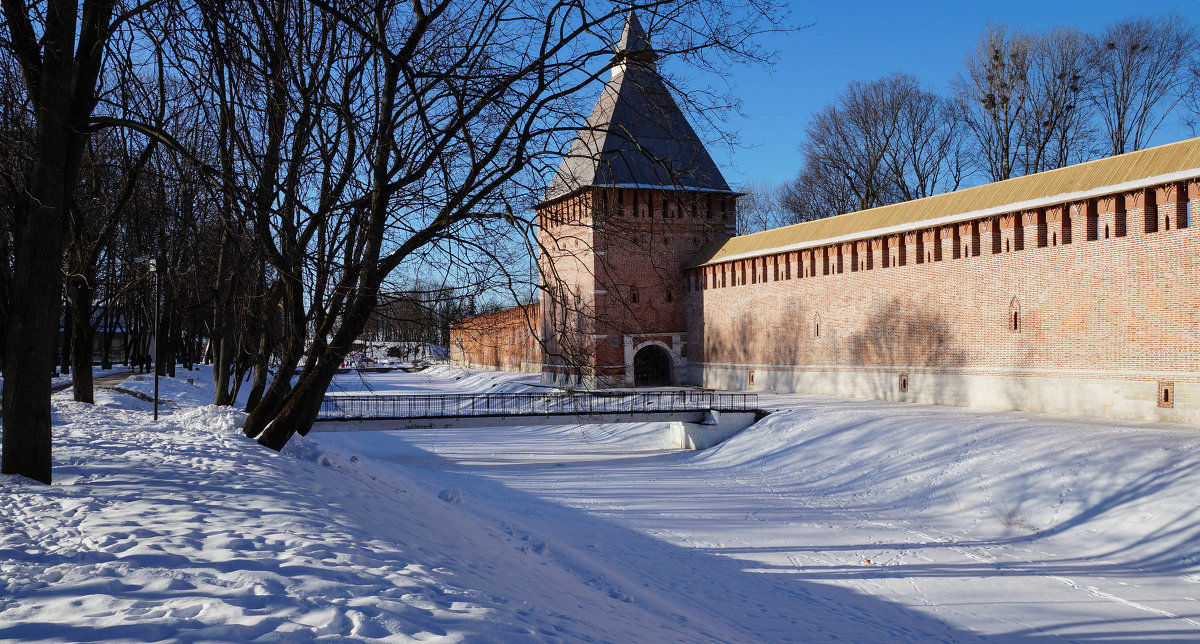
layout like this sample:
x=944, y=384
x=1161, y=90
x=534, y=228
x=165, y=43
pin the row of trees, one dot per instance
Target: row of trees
x=1023, y=103
x=281, y=161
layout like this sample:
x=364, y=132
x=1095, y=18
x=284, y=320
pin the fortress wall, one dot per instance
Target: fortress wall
x=610, y=261
x=503, y=340
x=1018, y=311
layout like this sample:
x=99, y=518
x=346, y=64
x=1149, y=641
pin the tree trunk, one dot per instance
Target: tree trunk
x=276, y=395
x=262, y=359
x=222, y=369
x=36, y=298
x=301, y=407
x=82, y=336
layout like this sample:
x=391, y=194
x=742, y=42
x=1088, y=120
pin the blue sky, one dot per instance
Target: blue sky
x=866, y=39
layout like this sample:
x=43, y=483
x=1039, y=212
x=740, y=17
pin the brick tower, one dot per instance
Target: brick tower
x=633, y=202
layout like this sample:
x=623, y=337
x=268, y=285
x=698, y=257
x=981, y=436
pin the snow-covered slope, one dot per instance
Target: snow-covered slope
x=1003, y=524
x=832, y=519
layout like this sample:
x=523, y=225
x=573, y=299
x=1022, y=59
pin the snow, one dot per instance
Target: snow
x=830, y=519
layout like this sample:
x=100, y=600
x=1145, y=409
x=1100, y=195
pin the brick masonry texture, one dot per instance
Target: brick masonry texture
x=1088, y=307
x=1020, y=311
x=502, y=340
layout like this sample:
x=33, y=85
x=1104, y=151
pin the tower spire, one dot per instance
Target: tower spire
x=636, y=136
x=634, y=43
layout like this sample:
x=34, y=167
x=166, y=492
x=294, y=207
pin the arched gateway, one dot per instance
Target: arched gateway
x=651, y=367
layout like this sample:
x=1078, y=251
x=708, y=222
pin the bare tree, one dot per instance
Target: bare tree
x=761, y=207
x=1142, y=67
x=878, y=143
x=850, y=139
x=926, y=156
x=817, y=193
x=992, y=95
x=1056, y=124
x=366, y=134
x=60, y=47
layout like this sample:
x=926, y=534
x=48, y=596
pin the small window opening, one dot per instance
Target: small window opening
x=1167, y=222
x=1106, y=231
x=1166, y=394
x=903, y=383
x=670, y=297
x=1007, y=247
x=1053, y=239
x=1016, y=321
x=633, y=295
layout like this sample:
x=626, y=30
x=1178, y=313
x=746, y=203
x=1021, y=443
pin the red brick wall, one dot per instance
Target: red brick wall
x=502, y=340
x=612, y=263
x=1125, y=307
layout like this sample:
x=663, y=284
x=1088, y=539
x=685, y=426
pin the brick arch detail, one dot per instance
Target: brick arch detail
x=672, y=354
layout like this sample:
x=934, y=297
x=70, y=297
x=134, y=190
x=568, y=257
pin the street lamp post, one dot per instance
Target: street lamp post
x=157, y=352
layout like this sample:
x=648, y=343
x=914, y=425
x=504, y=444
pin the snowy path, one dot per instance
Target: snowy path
x=999, y=524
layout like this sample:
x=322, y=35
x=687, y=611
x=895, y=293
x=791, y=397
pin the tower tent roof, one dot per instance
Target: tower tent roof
x=634, y=40
x=636, y=136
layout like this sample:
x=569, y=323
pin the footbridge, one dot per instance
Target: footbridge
x=699, y=418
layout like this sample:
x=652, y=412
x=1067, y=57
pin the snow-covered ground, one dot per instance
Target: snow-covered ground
x=832, y=519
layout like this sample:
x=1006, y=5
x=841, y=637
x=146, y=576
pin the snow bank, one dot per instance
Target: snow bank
x=866, y=522
x=1111, y=491
x=437, y=379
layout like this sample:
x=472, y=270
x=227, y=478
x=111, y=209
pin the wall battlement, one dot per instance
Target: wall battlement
x=1035, y=309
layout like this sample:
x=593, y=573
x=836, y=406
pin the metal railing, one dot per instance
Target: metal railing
x=532, y=404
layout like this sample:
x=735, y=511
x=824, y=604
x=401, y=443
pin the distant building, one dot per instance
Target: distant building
x=1071, y=291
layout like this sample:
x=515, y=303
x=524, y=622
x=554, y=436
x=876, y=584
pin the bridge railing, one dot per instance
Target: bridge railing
x=529, y=404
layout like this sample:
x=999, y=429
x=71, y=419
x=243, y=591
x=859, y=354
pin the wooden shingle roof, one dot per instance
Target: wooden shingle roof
x=636, y=136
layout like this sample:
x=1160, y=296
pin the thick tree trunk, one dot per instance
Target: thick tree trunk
x=82, y=336
x=275, y=396
x=301, y=407
x=262, y=358
x=223, y=351
x=35, y=302
x=293, y=338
